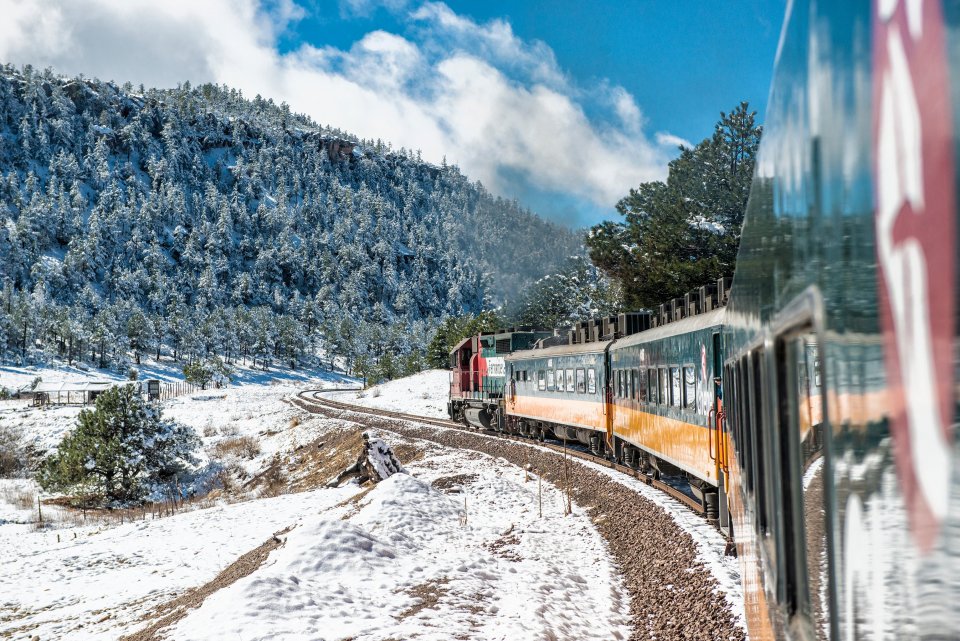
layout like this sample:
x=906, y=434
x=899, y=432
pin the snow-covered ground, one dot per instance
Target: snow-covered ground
x=14, y=378
x=412, y=562
x=457, y=547
x=423, y=394
x=251, y=405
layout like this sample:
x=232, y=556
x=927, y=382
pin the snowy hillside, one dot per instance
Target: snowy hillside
x=194, y=220
x=423, y=394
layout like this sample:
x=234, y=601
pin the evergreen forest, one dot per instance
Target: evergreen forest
x=194, y=223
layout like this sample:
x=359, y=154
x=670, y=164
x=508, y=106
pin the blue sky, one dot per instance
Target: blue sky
x=562, y=105
x=684, y=61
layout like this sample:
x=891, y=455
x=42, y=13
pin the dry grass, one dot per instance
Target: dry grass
x=429, y=595
x=295, y=421
x=238, y=447
x=19, y=497
x=230, y=429
x=15, y=457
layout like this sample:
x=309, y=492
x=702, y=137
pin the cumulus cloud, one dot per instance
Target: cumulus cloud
x=498, y=106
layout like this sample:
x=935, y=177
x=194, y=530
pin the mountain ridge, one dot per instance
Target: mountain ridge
x=195, y=221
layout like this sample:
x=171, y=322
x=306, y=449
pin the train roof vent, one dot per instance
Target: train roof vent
x=723, y=290
x=663, y=311
x=678, y=309
x=503, y=346
x=633, y=322
x=573, y=337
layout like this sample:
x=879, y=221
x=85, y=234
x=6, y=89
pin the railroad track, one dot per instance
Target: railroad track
x=314, y=398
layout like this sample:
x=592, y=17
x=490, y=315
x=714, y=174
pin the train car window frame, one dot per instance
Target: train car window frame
x=591, y=380
x=571, y=385
x=541, y=380
x=676, y=388
x=688, y=380
x=581, y=380
x=807, y=561
x=618, y=392
x=663, y=387
x=642, y=382
x=652, y=392
x=551, y=380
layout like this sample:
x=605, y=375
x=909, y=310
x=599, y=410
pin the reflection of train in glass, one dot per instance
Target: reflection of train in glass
x=834, y=460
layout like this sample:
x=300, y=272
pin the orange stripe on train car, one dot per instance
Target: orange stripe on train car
x=564, y=411
x=681, y=443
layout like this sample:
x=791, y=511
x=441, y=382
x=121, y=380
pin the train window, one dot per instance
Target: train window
x=541, y=380
x=591, y=380
x=634, y=387
x=802, y=490
x=560, y=384
x=570, y=384
x=676, y=394
x=689, y=387
x=652, y=386
x=746, y=418
x=755, y=395
x=581, y=381
x=642, y=386
x=619, y=384
x=663, y=386
x=550, y=380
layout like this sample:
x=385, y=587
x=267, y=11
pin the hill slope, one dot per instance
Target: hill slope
x=198, y=220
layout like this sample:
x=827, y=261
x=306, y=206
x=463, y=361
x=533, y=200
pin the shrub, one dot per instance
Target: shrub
x=240, y=447
x=118, y=450
x=203, y=372
x=13, y=454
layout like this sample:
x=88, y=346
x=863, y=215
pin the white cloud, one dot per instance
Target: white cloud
x=476, y=93
x=665, y=139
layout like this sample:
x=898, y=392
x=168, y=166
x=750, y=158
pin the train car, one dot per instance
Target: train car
x=840, y=338
x=559, y=391
x=664, y=404
x=478, y=373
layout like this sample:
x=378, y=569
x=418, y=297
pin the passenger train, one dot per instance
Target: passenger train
x=813, y=404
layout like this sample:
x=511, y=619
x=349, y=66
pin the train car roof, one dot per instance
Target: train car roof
x=594, y=347
x=712, y=318
x=462, y=343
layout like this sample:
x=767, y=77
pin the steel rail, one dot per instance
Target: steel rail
x=302, y=401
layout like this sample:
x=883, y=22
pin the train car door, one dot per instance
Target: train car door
x=719, y=425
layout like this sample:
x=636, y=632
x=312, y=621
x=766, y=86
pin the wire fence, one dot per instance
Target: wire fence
x=173, y=390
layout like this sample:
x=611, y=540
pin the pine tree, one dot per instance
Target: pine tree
x=117, y=450
x=684, y=232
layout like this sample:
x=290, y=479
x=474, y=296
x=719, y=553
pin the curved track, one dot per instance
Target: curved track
x=313, y=397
